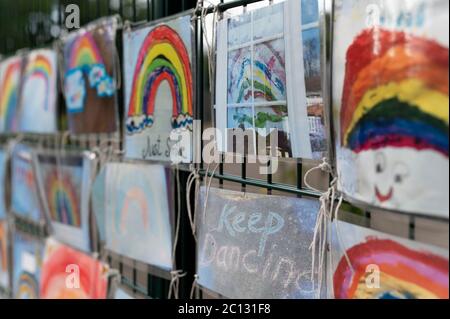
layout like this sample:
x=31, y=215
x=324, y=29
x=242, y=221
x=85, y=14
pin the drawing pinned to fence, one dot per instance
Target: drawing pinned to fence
x=64, y=183
x=255, y=246
x=10, y=80
x=138, y=217
x=392, y=101
x=27, y=267
x=159, y=88
x=268, y=63
x=69, y=274
x=24, y=188
x=380, y=266
x=39, y=92
x=90, y=78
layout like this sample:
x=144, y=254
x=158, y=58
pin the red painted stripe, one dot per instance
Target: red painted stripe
x=162, y=34
x=367, y=253
x=151, y=101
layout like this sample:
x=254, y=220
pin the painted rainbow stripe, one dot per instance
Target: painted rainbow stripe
x=404, y=273
x=266, y=84
x=62, y=198
x=93, y=278
x=84, y=52
x=137, y=196
x=27, y=287
x=40, y=67
x=395, y=94
x=9, y=94
x=162, y=57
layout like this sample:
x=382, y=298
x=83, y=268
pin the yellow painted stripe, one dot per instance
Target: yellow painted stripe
x=412, y=91
x=168, y=51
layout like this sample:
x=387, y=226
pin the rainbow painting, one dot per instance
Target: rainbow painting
x=83, y=52
x=84, y=62
x=27, y=287
x=24, y=189
x=27, y=259
x=65, y=185
x=10, y=77
x=92, y=282
x=40, y=67
x=63, y=198
x=391, y=104
x=163, y=57
x=138, y=214
x=38, y=98
x=385, y=267
x=395, y=95
x=267, y=72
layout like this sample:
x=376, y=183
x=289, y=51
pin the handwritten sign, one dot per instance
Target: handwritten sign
x=255, y=246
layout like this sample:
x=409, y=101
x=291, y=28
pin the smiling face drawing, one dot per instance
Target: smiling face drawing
x=403, y=178
x=390, y=176
x=394, y=120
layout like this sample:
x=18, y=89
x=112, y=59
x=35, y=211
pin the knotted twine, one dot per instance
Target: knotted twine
x=327, y=213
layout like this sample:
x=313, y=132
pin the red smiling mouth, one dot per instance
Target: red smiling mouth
x=383, y=198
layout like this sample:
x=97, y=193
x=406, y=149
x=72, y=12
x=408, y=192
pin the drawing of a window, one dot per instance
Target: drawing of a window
x=256, y=76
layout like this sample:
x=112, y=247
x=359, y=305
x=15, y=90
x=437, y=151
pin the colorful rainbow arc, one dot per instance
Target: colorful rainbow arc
x=40, y=67
x=162, y=57
x=133, y=195
x=9, y=89
x=405, y=270
x=265, y=82
x=84, y=52
x=93, y=280
x=396, y=97
x=62, y=199
x=27, y=286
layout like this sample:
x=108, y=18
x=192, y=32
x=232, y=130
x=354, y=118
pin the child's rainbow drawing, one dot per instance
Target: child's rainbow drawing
x=84, y=52
x=138, y=215
x=85, y=59
x=24, y=189
x=39, y=92
x=63, y=197
x=40, y=67
x=64, y=183
x=93, y=281
x=27, y=262
x=397, y=98
x=9, y=93
x=159, y=90
x=162, y=57
x=269, y=76
x=380, y=266
x=390, y=97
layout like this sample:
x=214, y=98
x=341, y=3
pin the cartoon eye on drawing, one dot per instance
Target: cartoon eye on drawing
x=389, y=177
x=395, y=118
